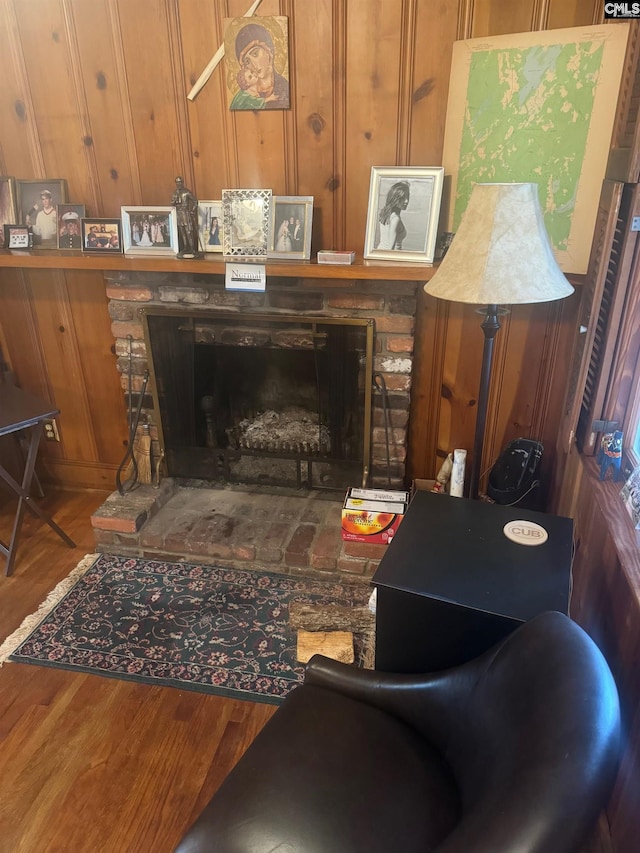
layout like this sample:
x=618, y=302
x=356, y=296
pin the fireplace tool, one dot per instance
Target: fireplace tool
x=380, y=385
x=134, y=420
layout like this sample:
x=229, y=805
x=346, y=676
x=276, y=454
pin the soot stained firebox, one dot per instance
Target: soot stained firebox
x=272, y=399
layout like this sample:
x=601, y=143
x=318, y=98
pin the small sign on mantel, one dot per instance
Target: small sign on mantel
x=252, y=277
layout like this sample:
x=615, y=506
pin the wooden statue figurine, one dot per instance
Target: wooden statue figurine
x=186, y=205
x=610, y=454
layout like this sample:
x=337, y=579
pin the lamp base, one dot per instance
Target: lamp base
x=490, y=327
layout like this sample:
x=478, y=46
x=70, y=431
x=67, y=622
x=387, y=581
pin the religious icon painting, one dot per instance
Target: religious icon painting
x=257, y=63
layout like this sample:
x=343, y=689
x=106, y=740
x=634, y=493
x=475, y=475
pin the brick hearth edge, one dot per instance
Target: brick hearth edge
x=279, y=530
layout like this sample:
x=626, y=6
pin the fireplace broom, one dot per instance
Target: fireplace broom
x=142, y=453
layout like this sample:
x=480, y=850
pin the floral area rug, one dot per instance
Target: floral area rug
x=195, y=627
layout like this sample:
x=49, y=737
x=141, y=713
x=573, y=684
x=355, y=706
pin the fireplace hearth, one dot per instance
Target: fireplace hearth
x=288, y=531
x=228, y=523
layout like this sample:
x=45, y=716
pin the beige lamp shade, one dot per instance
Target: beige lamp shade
x=501, y=253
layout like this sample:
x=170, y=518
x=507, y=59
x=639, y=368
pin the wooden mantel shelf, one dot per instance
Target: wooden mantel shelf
x=214, y=265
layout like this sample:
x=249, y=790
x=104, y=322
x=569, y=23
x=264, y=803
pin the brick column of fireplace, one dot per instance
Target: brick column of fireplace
x=391, y=304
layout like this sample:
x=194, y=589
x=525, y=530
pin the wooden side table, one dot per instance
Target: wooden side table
x=22, y=411
x=451, y=584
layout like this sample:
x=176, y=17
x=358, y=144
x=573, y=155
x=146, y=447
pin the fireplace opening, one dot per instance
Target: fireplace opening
x=270, y=399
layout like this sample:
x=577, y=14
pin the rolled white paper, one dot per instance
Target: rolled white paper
x=456, y=487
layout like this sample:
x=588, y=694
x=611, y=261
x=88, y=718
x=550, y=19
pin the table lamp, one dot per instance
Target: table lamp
x=500, y=255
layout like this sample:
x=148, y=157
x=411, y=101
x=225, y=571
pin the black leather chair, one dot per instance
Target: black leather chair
x=516, y=750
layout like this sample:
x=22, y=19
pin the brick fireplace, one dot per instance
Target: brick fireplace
x=389, y=305
x=312, y=541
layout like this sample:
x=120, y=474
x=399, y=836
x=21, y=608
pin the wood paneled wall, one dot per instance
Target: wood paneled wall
x=96, y=93
x=606, y=602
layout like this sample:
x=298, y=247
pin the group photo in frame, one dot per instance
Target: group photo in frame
x=149, y=230
x=245, y=217
x=8, y=212
x=403, y=213
x=69, y=218
x=210, y=227
x=37, y=208
x=101, y=235
x=290, y=227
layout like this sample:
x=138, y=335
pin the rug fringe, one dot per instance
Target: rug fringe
x=31, y=622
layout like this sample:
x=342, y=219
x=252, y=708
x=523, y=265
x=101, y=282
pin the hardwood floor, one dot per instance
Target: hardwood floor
x=90, y=763
x=96, y=765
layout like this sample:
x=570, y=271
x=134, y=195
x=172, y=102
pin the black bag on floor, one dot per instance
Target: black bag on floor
x=513, y=478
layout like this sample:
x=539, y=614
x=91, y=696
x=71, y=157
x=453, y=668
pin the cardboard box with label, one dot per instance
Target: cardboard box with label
x=372, y=515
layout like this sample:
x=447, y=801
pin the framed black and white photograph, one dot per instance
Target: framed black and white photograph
x=210, y=225
x=8, y=210
x=150, y=230
x=101, y=235
x=245, y=221
x=37, y=202
x=403, y=213
x=69, y=218
x=16, y=236
x=290, y=227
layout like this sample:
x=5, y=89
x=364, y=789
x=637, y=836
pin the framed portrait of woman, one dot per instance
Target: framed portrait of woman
x=290, y=227
x=402, y=218
x=210, y=225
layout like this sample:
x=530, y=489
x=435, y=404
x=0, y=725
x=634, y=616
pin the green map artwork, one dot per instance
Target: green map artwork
x=536, y=107
x=546, y=95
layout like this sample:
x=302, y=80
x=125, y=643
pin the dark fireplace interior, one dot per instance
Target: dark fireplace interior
x=270, y=399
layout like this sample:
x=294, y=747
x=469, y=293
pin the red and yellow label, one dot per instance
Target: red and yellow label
x=366, y=523
x=366, y=526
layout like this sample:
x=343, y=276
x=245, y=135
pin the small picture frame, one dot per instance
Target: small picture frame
x=245, y=217
x=404, y=207
x=290, y=227
x=8, y=210
x=69, y=225
x=17, y=236
x=37, y=208
x=101, y=236
x=210, y=225
x=150, y=230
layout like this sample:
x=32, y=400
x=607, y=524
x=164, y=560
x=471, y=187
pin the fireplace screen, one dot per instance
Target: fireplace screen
x=273, y=399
